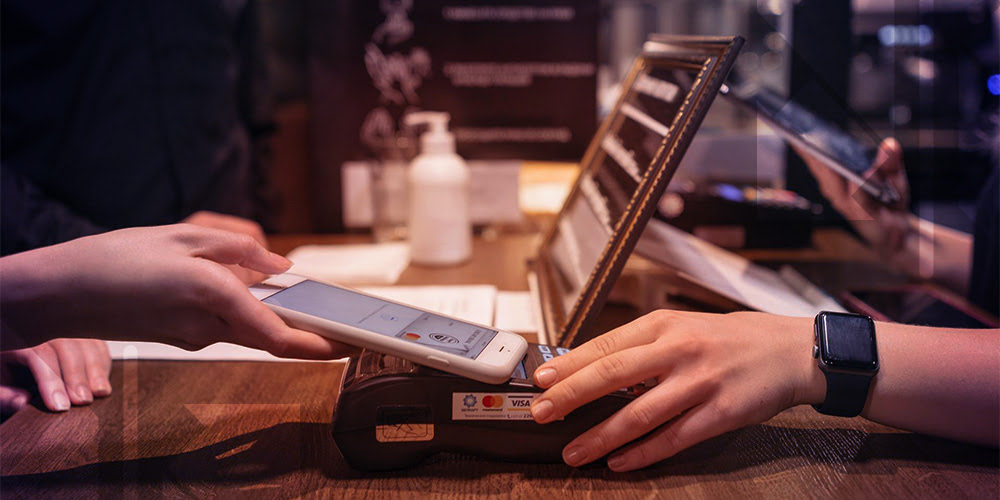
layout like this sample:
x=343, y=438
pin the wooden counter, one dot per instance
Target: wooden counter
x=224, y=429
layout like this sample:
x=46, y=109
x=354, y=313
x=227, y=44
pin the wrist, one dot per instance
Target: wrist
x=29, y=288
x=809, y=381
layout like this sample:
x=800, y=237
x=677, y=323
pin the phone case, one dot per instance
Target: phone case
x=451, y=363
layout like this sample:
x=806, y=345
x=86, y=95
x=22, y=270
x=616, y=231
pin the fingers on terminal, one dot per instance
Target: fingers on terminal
x=694, y=426
x=639, y=332
x=604, y=376
x=635, y=420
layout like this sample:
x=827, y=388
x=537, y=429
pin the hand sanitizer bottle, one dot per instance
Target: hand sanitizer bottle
x=440, y=229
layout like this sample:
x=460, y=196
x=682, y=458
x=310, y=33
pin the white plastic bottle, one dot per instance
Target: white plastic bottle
x=440, y=228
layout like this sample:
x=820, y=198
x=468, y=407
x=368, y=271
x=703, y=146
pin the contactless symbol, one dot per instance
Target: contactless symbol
x=444, y=338
x=411, y=336
x=469, y=401
x=493, y=401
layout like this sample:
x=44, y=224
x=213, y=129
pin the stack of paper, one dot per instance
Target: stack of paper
x=731, y=275
x=375, y=264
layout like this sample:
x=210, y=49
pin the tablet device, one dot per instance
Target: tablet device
x=843, y=153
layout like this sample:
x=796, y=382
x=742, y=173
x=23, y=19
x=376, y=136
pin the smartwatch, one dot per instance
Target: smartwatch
x=847, y=355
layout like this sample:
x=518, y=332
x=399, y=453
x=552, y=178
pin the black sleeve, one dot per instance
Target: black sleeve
x=257, y=112
x=30, y=219
x=984, y=283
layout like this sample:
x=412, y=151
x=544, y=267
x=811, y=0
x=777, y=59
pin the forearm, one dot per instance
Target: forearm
x=941, y=382
x=936, y=381
x=26, y=291
x=937, y=253
x=921, y=248
x=46, y=294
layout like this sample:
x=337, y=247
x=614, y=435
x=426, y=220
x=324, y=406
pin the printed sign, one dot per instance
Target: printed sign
x=518, y=79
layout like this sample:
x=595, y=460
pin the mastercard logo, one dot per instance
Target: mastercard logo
x=411, y=336
x=492, y=401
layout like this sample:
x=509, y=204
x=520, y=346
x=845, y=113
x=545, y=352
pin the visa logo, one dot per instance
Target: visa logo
x=520, y=403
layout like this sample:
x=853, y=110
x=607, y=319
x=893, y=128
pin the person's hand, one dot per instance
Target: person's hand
x=163, y=284
x=65, y=372
x=231, y=223
x=713, y=372
x=236, y=225
x=885, y=227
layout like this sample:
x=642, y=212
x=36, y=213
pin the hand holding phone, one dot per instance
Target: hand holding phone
x=886, y=169
x=885, y=226
x=449, y=344
x=822, y=142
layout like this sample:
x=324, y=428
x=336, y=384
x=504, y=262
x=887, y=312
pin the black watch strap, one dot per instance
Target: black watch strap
x=846, y=394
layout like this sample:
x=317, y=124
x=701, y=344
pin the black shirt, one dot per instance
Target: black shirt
x=984, y=284
x=126, y=113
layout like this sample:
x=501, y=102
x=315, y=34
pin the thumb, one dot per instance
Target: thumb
x=230, y=248
x=889, y=159
x=12, y=399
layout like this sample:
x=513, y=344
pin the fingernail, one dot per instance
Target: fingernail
x=281, y=259
x=545, y=377
x=61, y=401
x=541, y=410
x=102, y=388
x=84, y=394
x=20, y=401
x=574, y=456
x=617, y=462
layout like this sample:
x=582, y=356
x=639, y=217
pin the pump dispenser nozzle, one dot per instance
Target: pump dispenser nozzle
x=437, y=139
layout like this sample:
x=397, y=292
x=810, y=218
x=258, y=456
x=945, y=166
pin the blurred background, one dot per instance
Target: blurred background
x=343, y=72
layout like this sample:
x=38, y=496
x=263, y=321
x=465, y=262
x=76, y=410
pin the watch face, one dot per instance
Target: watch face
x=848, y=341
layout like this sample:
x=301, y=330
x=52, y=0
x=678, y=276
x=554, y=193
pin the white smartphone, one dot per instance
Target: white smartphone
x=475, y=351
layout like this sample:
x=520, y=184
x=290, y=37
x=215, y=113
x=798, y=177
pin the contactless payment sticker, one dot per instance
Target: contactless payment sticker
x=491, y=405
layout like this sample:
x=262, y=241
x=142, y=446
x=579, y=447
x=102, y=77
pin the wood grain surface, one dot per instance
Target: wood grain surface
x=224, y=429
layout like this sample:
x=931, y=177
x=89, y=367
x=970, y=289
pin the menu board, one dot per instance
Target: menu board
x=519, y=78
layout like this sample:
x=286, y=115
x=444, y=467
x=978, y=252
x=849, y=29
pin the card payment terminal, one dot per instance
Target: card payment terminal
x=393, y=414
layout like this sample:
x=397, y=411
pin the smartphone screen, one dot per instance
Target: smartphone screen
x=384, y=318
